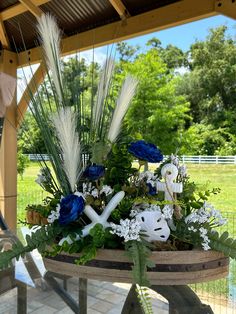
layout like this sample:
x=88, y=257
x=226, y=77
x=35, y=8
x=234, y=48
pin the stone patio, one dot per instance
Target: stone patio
x=103, y=298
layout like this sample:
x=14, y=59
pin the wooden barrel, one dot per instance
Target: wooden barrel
x=171, y=267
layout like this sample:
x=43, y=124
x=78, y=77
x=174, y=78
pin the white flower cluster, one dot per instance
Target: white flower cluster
x=206, y=214
x=205, y=239
x=174, y=160
x=149, y=177
x=54, y=214
x=41, y=177
x=182, y=170
x=203, y=235
x=88, y=189
x=167, y=212
x=128, y=229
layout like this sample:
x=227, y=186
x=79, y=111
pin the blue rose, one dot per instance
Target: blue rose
x=94, y=172
x=145, y=151
x=151, y=189
x=71, y=207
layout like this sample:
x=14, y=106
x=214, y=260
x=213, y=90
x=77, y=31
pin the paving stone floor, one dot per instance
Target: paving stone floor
x=103, y=298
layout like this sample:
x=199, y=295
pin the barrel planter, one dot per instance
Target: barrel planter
x=171, y=267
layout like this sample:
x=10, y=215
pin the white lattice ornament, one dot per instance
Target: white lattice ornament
x=154, y=225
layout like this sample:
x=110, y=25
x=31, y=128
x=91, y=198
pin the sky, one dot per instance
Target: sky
x=181, y=36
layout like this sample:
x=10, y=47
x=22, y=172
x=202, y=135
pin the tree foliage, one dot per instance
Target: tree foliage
x=194, y=112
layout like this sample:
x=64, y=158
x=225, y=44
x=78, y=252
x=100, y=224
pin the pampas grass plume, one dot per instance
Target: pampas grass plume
x=50, y=36
x=126, y=94
x=64, y=122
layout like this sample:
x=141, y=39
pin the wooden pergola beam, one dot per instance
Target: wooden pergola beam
x=169, y=16
x=120, y=8
x=34, y=9
x=31, y=88
x=226, y=7
x=19, y=9
x=3, y=35
x=8, y=149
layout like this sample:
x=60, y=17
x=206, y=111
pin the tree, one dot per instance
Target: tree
x=172, y=56
x=157, y=113
x=210, y=86
x=126, y=51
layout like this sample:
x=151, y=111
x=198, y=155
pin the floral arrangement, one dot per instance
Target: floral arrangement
x=102, y=193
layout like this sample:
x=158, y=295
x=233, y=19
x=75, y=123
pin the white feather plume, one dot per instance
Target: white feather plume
x=50, y=36
x=104, y=83
x=126, y=94
x=64, y=122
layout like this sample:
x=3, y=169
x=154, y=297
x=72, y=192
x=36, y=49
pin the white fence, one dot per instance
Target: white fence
x=38, y=157
x=184, y=159
x=209, y=159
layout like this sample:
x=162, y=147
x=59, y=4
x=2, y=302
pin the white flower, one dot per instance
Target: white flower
x=54, y=214
x=183, y=171
x=128, y=229
x=205, y=246
x=41, y=178
x=174, y=160
x=107, y=190
x=77, y=193
x=87, y=187
x=94, y=193
x=206, y=241
x=149, y=177
x=167, y=212
x=191, y=228
x=134, y=212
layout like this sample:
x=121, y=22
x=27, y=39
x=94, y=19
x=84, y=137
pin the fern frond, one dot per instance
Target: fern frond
x=144, y=299
x=37, y=240
x=139, y=252
x=223, y=243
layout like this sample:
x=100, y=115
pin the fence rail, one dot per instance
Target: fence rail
x=185, y=159
x=209, y=159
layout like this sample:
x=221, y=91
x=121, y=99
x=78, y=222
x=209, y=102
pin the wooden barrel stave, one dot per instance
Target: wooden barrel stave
x=172, y=268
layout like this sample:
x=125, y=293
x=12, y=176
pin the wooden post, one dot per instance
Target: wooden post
x=8, y=149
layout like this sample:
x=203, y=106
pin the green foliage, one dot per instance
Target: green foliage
x=37, y=240
x=89, y=252
x=123, y=210
x=44, y=209
x=98, y=238
x=22, y=163
x=223, y=243
x=201, y=139
x=139, y=252
x=210, y=88
x=119, y=166
x=156, y=111
x=144, y=299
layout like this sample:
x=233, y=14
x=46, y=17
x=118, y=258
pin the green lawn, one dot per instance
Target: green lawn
x=222, y=176
x=29, y=192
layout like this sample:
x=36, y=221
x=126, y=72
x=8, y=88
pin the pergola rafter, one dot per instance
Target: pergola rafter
x=120, y=8
x=34, y=9
x=3, y=35
x=32, y=87
x=99, y=33
x=19, y=9
x=169, y=16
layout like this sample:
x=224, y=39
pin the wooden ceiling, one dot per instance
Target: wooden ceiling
x=92, y=23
